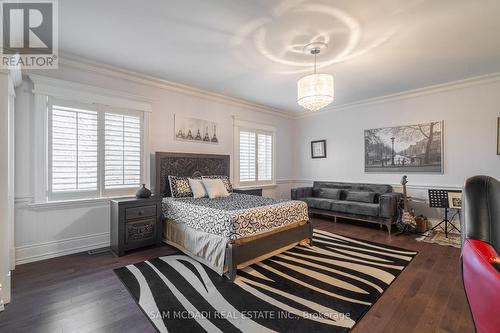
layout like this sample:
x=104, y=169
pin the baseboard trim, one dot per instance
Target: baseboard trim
x=41, y=251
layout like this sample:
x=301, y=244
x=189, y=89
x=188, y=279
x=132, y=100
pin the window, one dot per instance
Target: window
x=122, y=150
x=248, y=154
x=254, y=156
x=93, y=150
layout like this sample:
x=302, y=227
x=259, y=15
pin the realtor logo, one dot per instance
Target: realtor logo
x=29, y=34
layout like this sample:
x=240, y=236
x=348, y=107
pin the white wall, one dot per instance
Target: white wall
x=43, y=232
x=470, y=133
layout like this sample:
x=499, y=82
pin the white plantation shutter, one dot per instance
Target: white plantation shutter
x=74, y=155
x=122, y=150
x=94, y=151
x=256, y=157
x=265, y=163
x=248, y=155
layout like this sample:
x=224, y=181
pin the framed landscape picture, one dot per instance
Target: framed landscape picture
x=498, y=136
x=411, y=148
x=318, y=149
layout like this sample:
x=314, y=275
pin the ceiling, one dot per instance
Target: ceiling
x=252, y=49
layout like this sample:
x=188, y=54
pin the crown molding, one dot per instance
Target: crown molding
x=76, y=62
x=433, y=89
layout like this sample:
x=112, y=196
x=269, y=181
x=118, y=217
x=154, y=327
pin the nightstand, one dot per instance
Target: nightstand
x=251, y=191
x=135, y=223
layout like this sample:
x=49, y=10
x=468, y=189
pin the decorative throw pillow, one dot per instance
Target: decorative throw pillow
x=358, y=196
x=197, y=188
x=215, y=188
x=225, y=180
x=329, y=193
x=179, y=187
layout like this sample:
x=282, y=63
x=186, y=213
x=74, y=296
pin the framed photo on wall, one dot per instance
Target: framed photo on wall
x=408, y=148
x=498, y=136
x=455, y=199
x=195, y=130
x=318, y=149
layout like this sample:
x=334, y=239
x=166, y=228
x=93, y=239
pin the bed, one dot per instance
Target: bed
x=229, y=233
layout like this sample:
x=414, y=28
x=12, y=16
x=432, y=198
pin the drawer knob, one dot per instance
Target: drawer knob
x=141, y=212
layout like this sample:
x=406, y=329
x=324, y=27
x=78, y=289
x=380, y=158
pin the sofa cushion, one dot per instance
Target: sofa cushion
x=377, y=188
x=318, y=203
x=357, y=208
x=328, y=193
x=342, y=206
x=361, y=196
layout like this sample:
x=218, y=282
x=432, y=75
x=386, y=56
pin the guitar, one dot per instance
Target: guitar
x=408, y=217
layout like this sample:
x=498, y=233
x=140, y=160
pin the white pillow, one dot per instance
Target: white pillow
x=215, y=188
x=197, y=188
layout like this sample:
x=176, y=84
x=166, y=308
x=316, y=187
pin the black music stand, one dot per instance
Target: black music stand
x=439, y=199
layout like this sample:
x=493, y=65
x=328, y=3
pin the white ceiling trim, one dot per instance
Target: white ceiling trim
x=241, y=122
x=75, y=62
x=433, y=89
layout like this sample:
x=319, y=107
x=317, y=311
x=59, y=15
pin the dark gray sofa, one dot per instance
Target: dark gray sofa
x=374, y=203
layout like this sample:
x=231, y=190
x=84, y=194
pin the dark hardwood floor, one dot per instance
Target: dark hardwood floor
x=80, y=293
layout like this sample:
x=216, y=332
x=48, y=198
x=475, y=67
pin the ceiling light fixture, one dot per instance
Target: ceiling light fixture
x=315, y=91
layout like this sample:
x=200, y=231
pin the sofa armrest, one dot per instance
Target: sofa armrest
x=388, y=205
x=301, y=192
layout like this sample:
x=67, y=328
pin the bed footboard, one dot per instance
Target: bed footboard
x=237, y=254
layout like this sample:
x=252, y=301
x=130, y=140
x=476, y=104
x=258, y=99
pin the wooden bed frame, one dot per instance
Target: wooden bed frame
x=195, y=165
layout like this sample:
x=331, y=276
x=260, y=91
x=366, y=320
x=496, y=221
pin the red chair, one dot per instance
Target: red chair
x=480, y=251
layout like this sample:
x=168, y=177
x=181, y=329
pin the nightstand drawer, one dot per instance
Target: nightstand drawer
x=140, y=231
x=249, y=191
x=140, y=212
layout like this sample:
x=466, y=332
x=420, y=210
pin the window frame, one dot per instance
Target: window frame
x=243, y=126
x=101, y=192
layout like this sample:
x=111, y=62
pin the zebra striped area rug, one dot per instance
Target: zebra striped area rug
x=324, y=288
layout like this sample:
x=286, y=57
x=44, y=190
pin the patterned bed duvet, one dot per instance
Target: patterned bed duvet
x=234, y=217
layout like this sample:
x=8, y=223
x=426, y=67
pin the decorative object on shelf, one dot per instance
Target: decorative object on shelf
x=143, y=192
x=315, y=91
x=195, y=130
x=412, y=148
x=318, y=149
x=498, y=136
x=407, y=222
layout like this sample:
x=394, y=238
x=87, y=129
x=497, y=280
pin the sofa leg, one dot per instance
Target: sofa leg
x=389, y=229
x=380, y=225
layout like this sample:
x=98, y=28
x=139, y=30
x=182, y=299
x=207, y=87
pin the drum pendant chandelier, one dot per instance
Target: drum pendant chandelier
x=315, y=91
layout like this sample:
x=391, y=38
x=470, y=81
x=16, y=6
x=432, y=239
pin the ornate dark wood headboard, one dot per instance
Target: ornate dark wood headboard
x=187, y=165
